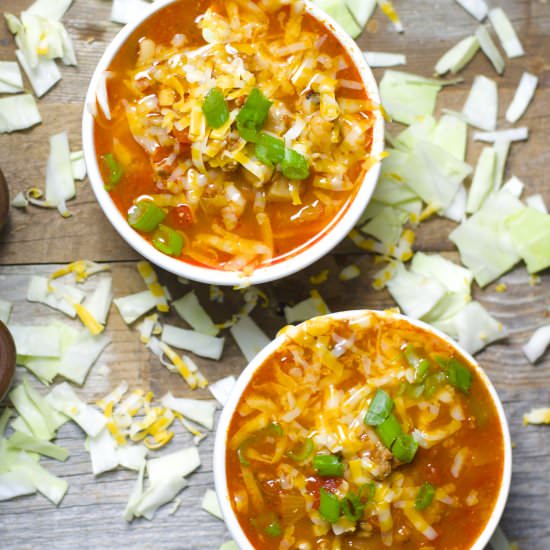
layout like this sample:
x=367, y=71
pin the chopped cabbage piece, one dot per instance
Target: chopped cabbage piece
x=458, y=56
x=421, y=130
x=341, y=13
x=191, y=311
x=506, y=33
x=229, y=545
x=50, y=9
x=210, y=504
x=483, y=241
x=40, y=425
x=135, y=495
x=515, y=187
x=52, y=487
x=131, y=457
x=80, y=356
x=383, y=59
x=5, y=311
x=102, y=96
x=483, y=180
x=59, y=174
x=54, y=294
x=249, y=337
x=512, y=134
x=15, y=484
x=157, y=495
x=534, y=201
x=103, y=452
x=523, y=96
x=37, y=341
x=18, y=112
x=361, y=10
x=47, y=368
x=489, y=49
x=4, y=419
x=529, y=231
x=196, y=342
x=24, y=442
x=537, y=416
x=456, y=211
x=124, y=11
x=481, y=107
x=177, y=464
x=99, y=303
x=306, y=309
x=415, y=294
x=43, y=77
x=148, y=327
x=476, y=328
x=476, y=8
x=451, y=134
x=537, y=344
x=386, y=226
x=64, y=399
x=435, y=175
x=132, y=307
x=19, y=201
x=406, y=97
x=349, y=272
x=198, y=410
x=78, y=165
x=11, y=81
x=221, y=389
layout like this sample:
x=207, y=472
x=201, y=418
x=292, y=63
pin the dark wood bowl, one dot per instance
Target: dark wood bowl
x=7, y=360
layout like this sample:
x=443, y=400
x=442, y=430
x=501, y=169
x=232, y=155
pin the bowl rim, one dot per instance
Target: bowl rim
x=245, y=377
x=312, y=251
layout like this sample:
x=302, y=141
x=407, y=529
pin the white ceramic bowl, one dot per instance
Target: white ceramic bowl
x=229, y=409
x=332, y=234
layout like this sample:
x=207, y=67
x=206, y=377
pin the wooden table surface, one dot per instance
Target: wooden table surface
x=36, y=240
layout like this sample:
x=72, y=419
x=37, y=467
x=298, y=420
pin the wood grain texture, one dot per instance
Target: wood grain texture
x=90, y=515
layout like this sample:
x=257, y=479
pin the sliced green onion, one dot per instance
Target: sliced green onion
x=273, y=529
x=115, y=171
x=303, y=452
x=294, y=166
x=270, y=150
x=215, y=108
x=329, y=506
x=457, y=374
x=404, y=448
x=168, y=241
x=328, y=465
x=425, y=496
x=389, y=430
x=433, y=382
x=415, y=390
x=420, y=365
x=353, y=507
x=379, y=408
x=253, y=115
x=145, y=216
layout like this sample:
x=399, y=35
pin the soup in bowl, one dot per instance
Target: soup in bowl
x=231, y=139
x=363, y=430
